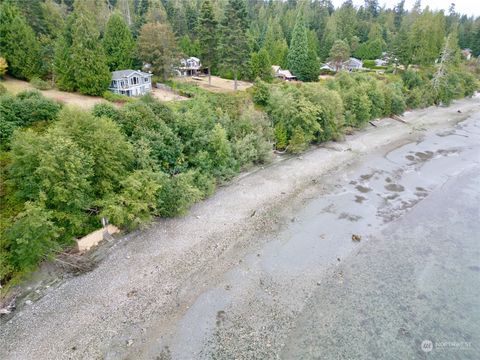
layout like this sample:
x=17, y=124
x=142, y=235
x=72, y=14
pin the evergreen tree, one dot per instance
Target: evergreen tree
x=207, y=32
x=261, y=65
x=234, y=43
x=118, y=43
x=64, y=67
x=91, y=71
x=298, y=54
x=18, y=44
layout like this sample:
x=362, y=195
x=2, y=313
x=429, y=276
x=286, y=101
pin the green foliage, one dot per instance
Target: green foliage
x=103, y=141
x=92, y=76
x=117, y=98
x=32, y=237
x=40, y=84
x=208, y=33
x=298, y=142
x=18, y=44
x=331, y=117
x=3, y=66
x=64, y=65
x=233, y=45
x=23, y=110
x=156, y=46
x=177, y=195
x=118, y=43
x=261, y=66
x=300, y=56
x=358, y=107
x=372, y=49
x=280, y=136
x=261, y=93
x=136, y=202
x=339, y=53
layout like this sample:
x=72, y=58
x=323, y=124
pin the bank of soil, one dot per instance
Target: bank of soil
x=212, y=284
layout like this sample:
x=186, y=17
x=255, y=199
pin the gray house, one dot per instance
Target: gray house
x=131, y=82
x=350, y=65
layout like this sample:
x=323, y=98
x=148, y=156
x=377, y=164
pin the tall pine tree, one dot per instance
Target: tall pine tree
x=18, y=44
x=208, y=33
x=91, y=71
x=234, y=47
x=118, y=43
x=298, y=54
x=64, y=67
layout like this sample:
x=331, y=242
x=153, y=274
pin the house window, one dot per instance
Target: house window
x=145, y=79
x=134, y=80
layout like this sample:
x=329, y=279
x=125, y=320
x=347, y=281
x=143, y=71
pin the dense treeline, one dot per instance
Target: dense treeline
x=77, y=43
x=67, y=168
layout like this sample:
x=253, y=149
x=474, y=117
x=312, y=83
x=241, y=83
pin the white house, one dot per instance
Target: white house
x=189, y=67
x=283, y=74
x=380, y=62
x=131, y=82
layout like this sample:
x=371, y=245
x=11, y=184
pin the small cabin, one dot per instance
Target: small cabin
x=283, y=74
x=131, y=82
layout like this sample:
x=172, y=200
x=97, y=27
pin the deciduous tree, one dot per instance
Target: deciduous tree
x=157, y=47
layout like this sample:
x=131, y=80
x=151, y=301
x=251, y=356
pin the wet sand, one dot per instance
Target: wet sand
x=223, y=283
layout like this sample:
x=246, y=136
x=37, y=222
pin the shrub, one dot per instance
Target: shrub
x=40, y=84
x=414, y=98
x=397, y=101
x=134, y=205
x=177, y=194
x=117, y=98
x=3, y=66
x=261, y=93
x=358, y=107
x=412, y=79
x=331, y=118
x=298, y=141
x=24, y=109
x=3, y=89
x=32, y=236
x=105, y=110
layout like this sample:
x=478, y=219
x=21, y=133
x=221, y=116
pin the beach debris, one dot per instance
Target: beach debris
x=132, y=293
x=9, y=307
x=356, y=237
x=253, y=213
x=371, y=123
x=398, y=118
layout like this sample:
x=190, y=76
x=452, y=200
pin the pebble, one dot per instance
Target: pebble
x=28, y=302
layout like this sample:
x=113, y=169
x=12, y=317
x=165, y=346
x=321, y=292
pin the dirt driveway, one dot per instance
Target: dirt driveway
x=85, y=102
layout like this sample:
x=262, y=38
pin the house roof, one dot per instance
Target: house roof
x=119, y=74
x=355, y=61
x=275, y=68
x=286, y=73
